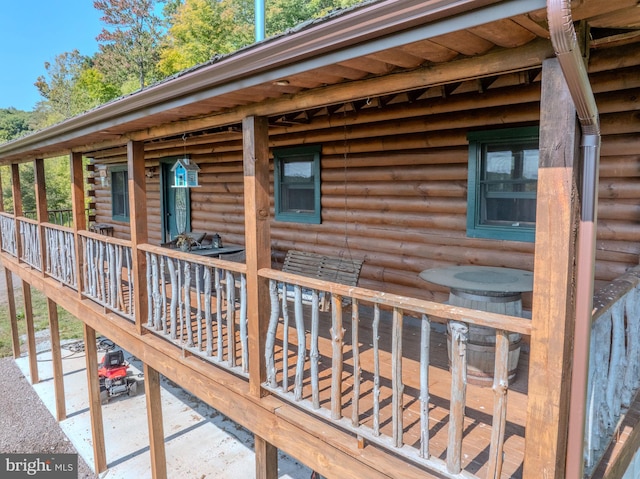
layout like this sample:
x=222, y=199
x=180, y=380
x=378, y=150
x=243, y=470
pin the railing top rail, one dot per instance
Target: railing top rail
x=104, y=239
x=432, y=309
x=192, y=258
x=609, y=294
x=54, y=226
x=24, y=219
x=7, y=215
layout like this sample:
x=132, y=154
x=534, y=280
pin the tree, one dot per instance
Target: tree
x=284, y=14
x=56, y=87
x=130, y=43
x=91, y=89
x=13, y=124
x=201, y=29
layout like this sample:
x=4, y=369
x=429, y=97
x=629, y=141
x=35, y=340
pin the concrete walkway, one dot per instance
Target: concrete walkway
x=200, y=443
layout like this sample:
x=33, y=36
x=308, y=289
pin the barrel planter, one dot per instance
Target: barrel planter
x=481, y=343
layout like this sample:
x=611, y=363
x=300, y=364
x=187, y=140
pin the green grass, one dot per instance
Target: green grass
x=70, y=326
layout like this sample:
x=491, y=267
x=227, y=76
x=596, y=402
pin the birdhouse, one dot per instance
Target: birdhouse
x=185, y=174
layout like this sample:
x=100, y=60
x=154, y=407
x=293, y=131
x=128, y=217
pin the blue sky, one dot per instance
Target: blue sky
x=33, y=32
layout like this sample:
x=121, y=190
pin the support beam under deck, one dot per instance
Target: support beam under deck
x=154, y=418
x=56, y=360
x=31, y=334
x=266, y=459
x=11, y=300
x=95, y=406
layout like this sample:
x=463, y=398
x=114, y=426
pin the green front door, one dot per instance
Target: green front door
x=175, y=204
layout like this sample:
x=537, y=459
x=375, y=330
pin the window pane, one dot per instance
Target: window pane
x=508, y=184
x=120, y=194
x=297, y=199
x=510, y=212
x=297, y=182
x=298, y=171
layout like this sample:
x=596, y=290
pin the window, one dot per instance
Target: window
x=120, y=193
x=297, y=184
x=503, y=179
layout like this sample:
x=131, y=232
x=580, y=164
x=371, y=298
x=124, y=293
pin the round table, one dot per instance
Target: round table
x=485, y=288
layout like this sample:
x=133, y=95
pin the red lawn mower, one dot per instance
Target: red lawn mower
x=115, y=377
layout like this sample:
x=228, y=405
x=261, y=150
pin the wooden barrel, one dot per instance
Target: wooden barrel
x=481, y=345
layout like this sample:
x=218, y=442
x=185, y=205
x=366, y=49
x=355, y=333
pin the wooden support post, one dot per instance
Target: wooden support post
x=154, y=418
x=17, y=204
x=95, y=406
x=11, y=300
x=56, y=360
x=266, y=459
x=554, y=273
x=139, y=231
x=31, y=334
x=41, y=209
x=255, y=135
x=79, y=217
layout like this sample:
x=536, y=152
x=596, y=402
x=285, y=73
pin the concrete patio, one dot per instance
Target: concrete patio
x=200, y=442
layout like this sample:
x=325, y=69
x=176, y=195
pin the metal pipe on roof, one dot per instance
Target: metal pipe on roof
x=259, y=19
x=564, y=40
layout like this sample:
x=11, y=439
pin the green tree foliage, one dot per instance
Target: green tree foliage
x=57, y=179
x=201, y=29
x=56, y=87
x=13, y=124
x=129, y=46
x=91, y=89
x=282, y=15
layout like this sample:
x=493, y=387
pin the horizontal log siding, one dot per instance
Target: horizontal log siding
x=394, y=184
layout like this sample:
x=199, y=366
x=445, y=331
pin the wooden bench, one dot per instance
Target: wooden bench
x=327, y=268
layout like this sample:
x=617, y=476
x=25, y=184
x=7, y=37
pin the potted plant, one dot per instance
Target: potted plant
x=184, y=241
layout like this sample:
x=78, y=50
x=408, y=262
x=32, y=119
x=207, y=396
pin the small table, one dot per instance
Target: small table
x=102, y=228
x=210, y=251
x=485, y=288
x=482, y=284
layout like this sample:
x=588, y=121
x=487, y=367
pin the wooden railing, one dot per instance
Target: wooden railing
x=61, y=254
x=200, y=304
x=614, y=365
x=30, y=242
x=107, y=276
x=288, y=318
x=60, y=217
x=8, y=234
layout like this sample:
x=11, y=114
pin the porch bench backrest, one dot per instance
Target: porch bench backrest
x=326, y=268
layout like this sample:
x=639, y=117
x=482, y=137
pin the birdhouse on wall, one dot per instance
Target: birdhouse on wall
x=185, y=174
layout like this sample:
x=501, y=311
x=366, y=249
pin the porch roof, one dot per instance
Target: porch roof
x=371, y=40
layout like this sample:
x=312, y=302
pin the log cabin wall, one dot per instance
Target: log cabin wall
x=394, y=178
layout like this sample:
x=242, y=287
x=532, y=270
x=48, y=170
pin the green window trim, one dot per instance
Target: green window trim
x=477, y=185
x=119, y=176
x=297, y=196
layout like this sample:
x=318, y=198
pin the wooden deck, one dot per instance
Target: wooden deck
x=374, y=389
x=479, y=400
x=478, y=414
